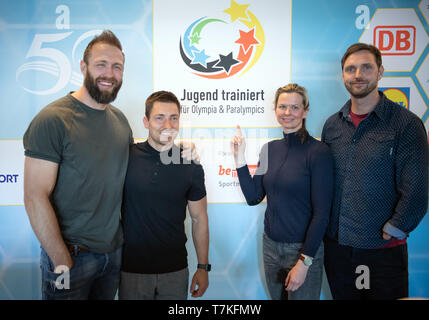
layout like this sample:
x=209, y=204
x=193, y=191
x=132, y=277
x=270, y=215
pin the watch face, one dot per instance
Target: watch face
x=306, y=260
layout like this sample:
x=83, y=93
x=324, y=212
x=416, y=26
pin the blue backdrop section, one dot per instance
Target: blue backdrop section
x=321, y=32
x=30, y=64
x=19, y=256
x=235, y=252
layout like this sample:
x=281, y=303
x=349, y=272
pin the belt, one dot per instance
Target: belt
x=75, y=249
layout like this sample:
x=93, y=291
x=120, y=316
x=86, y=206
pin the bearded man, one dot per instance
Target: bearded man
x=76, y=156
x=380, y=154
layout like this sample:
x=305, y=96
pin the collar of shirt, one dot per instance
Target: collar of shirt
x=146, y=147
x=379, y=110
x=291, y=138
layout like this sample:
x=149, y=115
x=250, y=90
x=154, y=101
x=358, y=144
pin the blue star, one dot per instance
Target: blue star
x=200, y=57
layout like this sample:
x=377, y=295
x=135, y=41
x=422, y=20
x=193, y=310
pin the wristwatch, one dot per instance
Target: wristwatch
x=206, y=267
x=308, y=261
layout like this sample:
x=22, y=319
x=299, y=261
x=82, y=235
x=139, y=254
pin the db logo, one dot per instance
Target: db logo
x=395, y=40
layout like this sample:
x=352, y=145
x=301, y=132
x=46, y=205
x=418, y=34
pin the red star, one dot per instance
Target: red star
x=247, y=39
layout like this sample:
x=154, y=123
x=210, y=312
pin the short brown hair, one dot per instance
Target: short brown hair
x=106, y=36
x=161, y=96
x=359, y=47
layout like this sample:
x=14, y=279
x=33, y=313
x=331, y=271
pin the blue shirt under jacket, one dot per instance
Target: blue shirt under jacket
x=297, y=179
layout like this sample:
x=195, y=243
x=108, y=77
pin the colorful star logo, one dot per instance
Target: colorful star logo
x=251, y=44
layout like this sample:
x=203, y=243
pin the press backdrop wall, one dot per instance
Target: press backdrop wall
x=224, y=60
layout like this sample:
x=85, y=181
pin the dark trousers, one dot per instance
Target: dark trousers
x=346, y=269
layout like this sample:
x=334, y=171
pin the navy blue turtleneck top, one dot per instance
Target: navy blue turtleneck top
x=297, y=179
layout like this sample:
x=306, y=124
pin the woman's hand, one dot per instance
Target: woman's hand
x=238, y=147
x=296, y=276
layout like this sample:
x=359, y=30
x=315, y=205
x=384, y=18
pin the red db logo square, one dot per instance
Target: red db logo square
x=395, y=40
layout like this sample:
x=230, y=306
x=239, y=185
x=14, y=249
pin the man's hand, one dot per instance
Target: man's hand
x=200, y=279
x=386, y=236
x=189, y=151
x=238, y=148
x=296, y=276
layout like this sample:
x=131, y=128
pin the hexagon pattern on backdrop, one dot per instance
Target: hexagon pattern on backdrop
x=399, y=35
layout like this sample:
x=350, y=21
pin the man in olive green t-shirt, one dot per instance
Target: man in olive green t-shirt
x=76, y=152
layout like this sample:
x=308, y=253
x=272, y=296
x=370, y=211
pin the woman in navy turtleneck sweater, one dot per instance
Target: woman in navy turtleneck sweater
x=296, y=175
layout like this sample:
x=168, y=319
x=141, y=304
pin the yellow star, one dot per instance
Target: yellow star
x=237, y=11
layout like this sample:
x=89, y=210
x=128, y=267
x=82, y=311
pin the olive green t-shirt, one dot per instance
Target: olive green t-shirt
x=91, y=148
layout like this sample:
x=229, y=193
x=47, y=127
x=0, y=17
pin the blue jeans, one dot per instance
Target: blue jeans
x=93, y=276
x=279, y=259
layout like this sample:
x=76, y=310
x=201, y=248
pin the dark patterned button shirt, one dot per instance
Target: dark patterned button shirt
x=381, y=173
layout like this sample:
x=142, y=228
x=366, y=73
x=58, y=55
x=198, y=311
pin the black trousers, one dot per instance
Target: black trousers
x=366, y=274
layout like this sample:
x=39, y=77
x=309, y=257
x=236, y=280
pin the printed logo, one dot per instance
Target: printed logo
x=233, y=172
x=395, y=40
x=50, y=61
x=46, y=62
x=227, y=62
x=227, y=172
x=400, y=95
x=9, y=178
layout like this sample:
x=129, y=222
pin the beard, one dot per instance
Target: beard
x=101, y=96
x=363, y=92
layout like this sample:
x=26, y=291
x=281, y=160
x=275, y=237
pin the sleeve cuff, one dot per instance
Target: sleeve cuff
x=394, y=232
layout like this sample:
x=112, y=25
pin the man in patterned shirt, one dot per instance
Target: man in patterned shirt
x=380, y=152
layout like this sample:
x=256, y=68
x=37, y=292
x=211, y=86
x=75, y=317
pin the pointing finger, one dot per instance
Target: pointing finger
x=239, y=131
